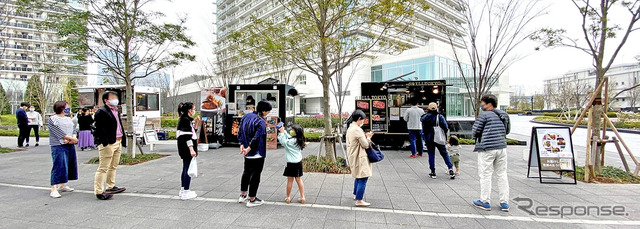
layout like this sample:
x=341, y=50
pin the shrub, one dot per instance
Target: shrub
x=464, y=141
x=6, y=150
x=313, y=136
x=125, y=159
x=169, y=122
x=320, y=164
x=609, y=175
x=316, y=122
x=8, y=120
x=15, y=132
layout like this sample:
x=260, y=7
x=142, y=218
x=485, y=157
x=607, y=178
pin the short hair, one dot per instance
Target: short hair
x=24, y=104
x=106, y=94
x=357, y=115
x=489, y=98
x=263, y=106
x=414, y=101
x=59, y=106
x=454, y=141
x=84, y=109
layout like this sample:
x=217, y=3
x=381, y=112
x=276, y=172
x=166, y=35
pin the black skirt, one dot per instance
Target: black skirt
x=293, y=170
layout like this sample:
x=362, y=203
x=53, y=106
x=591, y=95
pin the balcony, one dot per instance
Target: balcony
x=25, y=15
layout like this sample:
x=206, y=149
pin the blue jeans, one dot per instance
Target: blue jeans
x=358, y=187
x=65, y=164
x=431, y=150
x=415, y=138
x=185, y=178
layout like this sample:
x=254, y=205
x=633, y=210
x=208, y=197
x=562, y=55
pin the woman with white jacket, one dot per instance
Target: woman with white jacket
x=35, y=122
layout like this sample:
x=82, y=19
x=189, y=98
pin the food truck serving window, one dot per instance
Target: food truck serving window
x=246, y=100
x=147, y=102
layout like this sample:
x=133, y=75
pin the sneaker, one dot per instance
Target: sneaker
x=482, y=205
x=504, y=207
x=66, y=189
x=115, y=190
x=104, y=196
x=37, y=144
x=432, y=175
x=242, y=199
x=188, y=195
x=26, y=145
x=181, y=192
x=255, y=202
x=362, y=204
x=55, y=194
x=412, y=156
x=420, y=155
x=452, y=174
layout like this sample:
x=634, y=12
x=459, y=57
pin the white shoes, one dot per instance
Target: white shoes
x=187, y=194
x=181, y=193
x=55, y=194
x=243, y=199
x=66, y=189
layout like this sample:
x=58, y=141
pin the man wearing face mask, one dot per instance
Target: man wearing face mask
x=109, y=136
x=35, y=122
x=23, y=123
x=490, y=131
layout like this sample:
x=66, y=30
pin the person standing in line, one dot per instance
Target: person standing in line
x=35, y=122
x=109, y=136
x=23, y=124
x=490, y=131
x=187, y=146
x=454, y=152
x=357, y=143
x=85, y=138
x=63, y=151
x=293, y=143
x=429, y=121
x=74, y=119
x=412, y=117
x=252, y=136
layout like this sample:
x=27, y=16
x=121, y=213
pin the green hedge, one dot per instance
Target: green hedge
x=313, y=122
x=7, y=120
x=557, y=114
x=15, y=132
x=313, y=137
x=320, y=164
x=169, y=122
x=464, y=141
x=622, y=125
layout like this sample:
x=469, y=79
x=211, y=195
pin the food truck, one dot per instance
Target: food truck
x=386, y=102
x=243, y=98
x=146, y=103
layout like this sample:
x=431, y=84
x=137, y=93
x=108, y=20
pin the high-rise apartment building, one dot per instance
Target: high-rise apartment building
x=29, y=49
x=430, y=56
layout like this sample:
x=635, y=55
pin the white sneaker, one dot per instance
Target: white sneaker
x=255, y=202
x=66, y=189
x=55, y=194
x=242, y=199
x=188, y=195
x=181, y=193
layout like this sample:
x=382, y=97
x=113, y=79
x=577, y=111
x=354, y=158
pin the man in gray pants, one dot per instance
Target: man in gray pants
x=490, y=130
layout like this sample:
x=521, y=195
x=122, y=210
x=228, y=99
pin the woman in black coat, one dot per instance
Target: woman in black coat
x=187, y=142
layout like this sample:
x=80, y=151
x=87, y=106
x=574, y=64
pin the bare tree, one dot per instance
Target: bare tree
x=492, y=32
x=339, y=85
x=579, y=94
x=597, y=33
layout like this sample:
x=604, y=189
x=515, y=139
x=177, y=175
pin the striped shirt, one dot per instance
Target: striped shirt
x=58, y=128
x=490, y=132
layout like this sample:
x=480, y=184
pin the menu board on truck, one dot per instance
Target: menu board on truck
x=379, y=115
x=365, y=106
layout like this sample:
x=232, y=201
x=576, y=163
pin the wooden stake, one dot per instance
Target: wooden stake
x=624, y=160
x=615, y=130
x=587, y=163
x=589, y=104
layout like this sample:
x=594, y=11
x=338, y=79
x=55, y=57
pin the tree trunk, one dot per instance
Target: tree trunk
x=129, y=132
x=329, y=142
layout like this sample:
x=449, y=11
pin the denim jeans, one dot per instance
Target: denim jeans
x=358, y=187
x=415, y=138
x=65, y=164
x=431, y=150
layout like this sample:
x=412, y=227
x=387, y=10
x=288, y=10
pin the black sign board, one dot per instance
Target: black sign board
x=551, y=150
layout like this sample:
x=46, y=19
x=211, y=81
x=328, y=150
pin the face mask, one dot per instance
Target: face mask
x=113, y=102
x=484, y=108
x=292, y=133
x=361, y=124
x=67, y=110
x=32, y=109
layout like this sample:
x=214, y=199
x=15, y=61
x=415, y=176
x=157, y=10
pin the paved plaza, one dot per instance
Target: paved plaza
x=401, y=193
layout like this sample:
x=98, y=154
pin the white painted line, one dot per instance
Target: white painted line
x=369, y=209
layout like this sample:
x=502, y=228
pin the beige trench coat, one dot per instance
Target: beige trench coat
x=356, y=144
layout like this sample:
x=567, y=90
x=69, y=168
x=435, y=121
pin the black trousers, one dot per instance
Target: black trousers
x=36, y=129
x=251, y=175
x=23, y=135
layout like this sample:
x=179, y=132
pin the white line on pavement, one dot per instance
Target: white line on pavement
x=405, y=212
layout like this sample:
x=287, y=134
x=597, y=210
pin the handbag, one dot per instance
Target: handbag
x=193, y=168
x=374, y=153
x=438, y=134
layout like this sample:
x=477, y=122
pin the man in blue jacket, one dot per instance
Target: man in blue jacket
x=23, y=123
x=252, y=136
x=490, y=131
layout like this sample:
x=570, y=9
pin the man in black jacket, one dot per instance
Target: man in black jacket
x=109, y=136
x=23, y=124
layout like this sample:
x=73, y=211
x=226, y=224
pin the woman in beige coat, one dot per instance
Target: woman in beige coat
x=357, y=142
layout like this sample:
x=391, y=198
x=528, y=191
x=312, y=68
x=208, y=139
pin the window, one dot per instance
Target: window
x=147, y=102
x=303, y=79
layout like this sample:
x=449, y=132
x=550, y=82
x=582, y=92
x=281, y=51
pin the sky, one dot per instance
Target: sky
x=529, y=71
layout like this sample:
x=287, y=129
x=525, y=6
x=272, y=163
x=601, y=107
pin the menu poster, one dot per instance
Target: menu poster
x=379, y=115
x=555, y=149
x=272, y=133
x=365, y=106
x=394, y=113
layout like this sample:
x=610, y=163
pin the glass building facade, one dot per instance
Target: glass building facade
x=431, y=68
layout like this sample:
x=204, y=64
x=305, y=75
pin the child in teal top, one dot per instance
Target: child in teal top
x=293, y=143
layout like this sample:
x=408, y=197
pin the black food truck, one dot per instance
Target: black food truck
x=243, y=98
x=384, y=103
